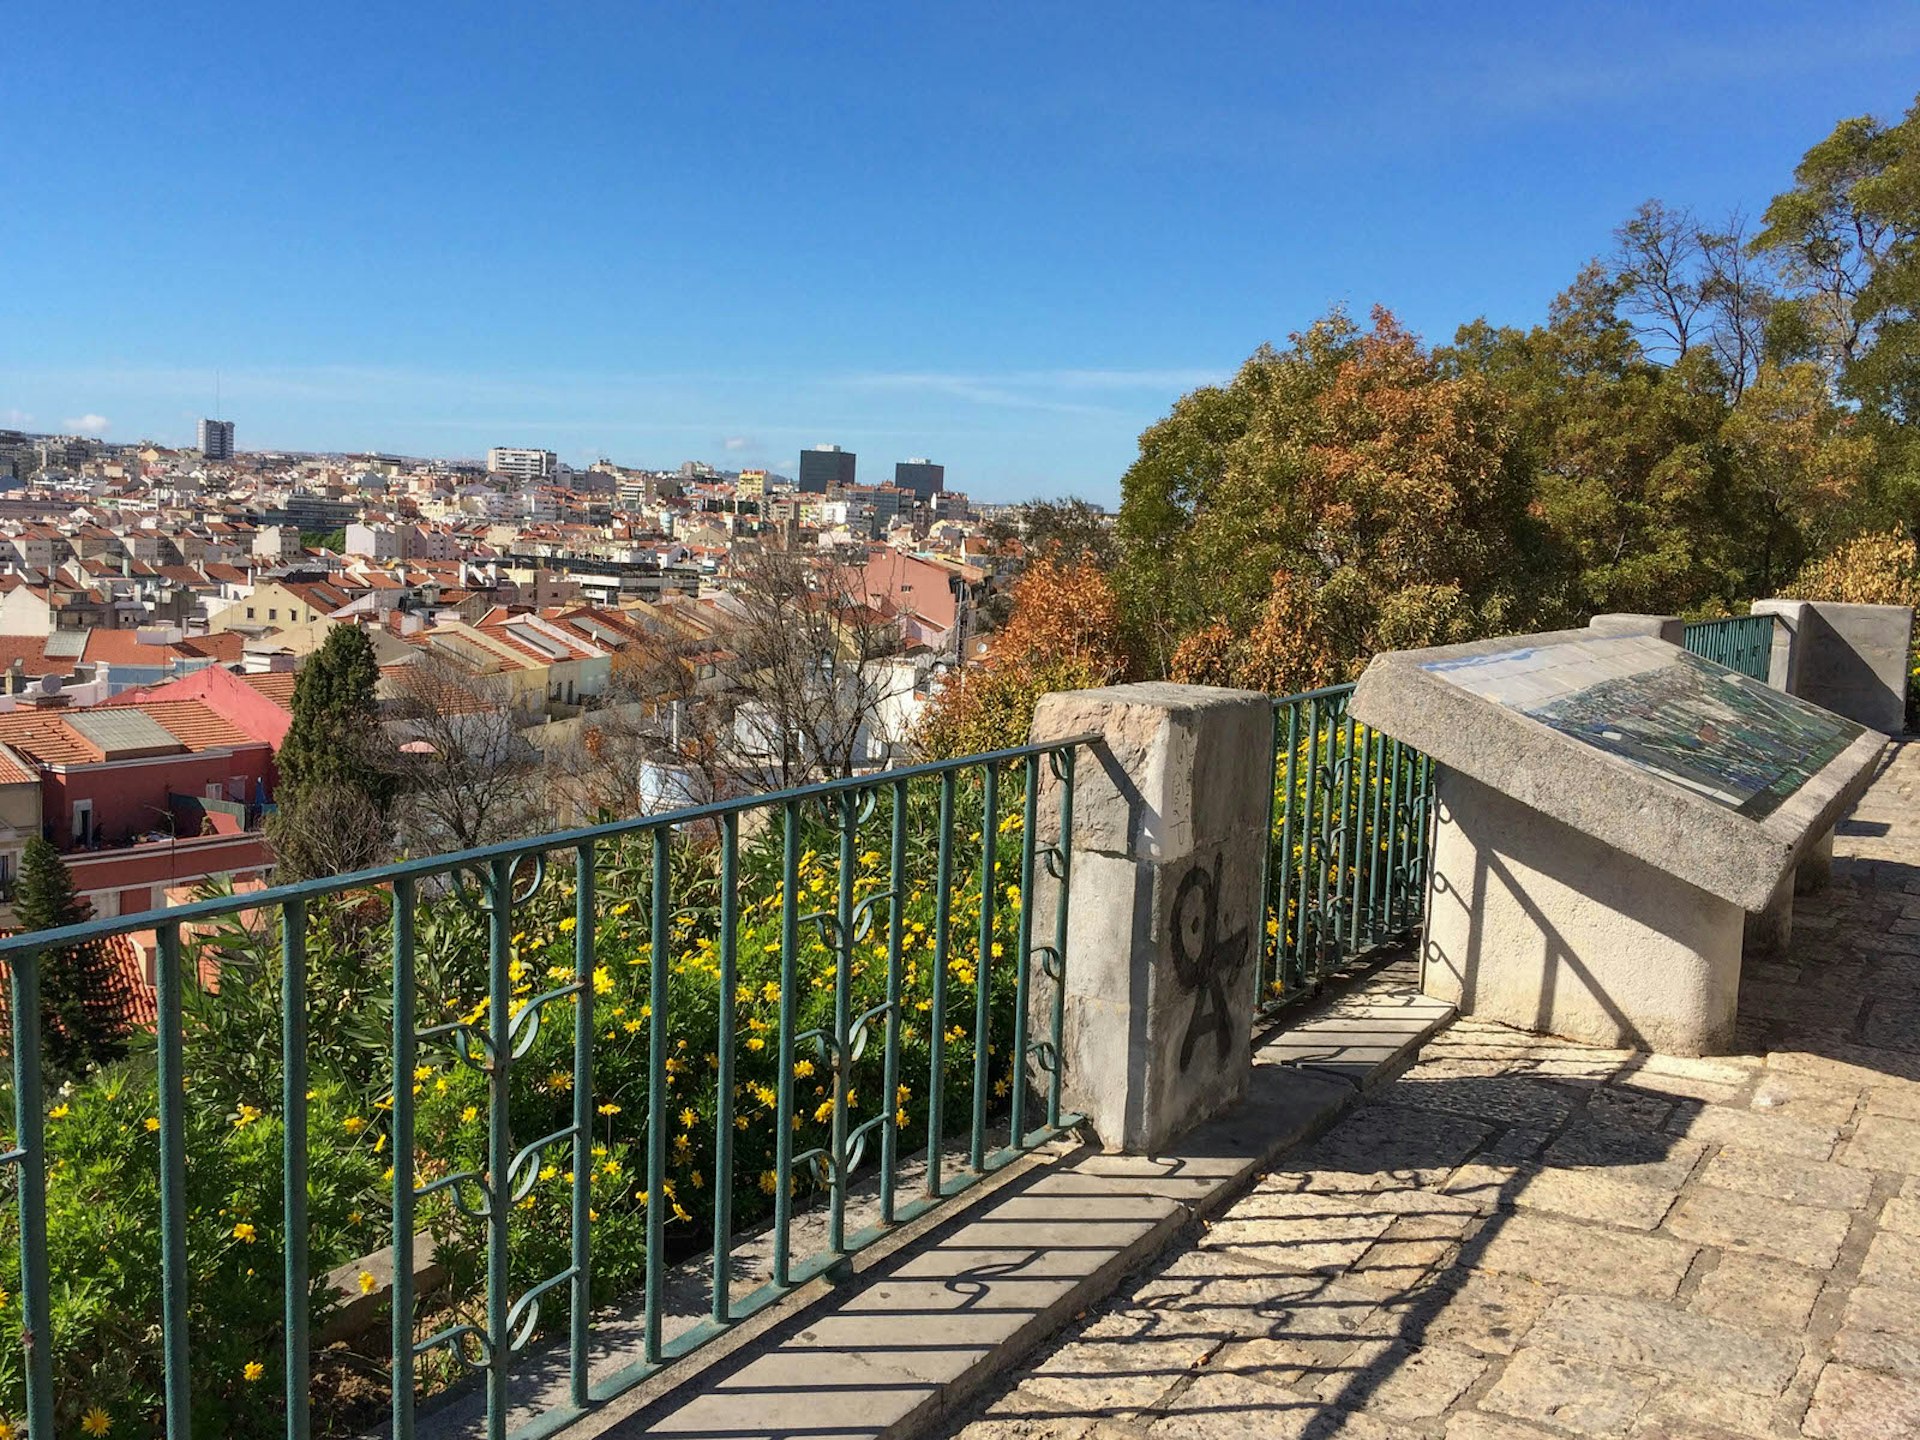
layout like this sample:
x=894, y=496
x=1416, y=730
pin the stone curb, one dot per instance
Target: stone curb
x=896, y=1353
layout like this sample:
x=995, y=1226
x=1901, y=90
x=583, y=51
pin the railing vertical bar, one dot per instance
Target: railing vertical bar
x=1376, y=881
x=178, y=1401
x=30, y=1130
x=1324, y=777
x=989, y=856
x=1304, y=906
x=937, y=1016
x=724, y=1062
x=1056, y=1034
x=1393, y=837
x=783, y=1105
x=896, y=926
x=405, y=1047
x=1266, y=955
x=1023, y=953
x=1350, y=834
x=657, y=971
x=842, y=1023
x=499, y=1136
x=585, y=962
x=293, y=1123
x=1283, y=781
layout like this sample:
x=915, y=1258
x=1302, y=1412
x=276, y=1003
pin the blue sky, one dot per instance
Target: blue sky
x=1004, y=236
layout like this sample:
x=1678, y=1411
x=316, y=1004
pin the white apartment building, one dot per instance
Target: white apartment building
x=523, y=464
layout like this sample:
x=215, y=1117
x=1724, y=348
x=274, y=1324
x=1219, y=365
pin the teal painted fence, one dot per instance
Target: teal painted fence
x=1741, y=642
x=897, y=908
x=1347, y=866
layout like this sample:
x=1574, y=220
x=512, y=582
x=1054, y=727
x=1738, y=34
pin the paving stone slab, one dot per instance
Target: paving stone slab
x=1760, y=1225
x=1226, y=1406
x=1884, y=1142
x=1583, y=1396
x=1755, y=1130
x=1644, y=1335
x=1560, y=1253
x=1398, y=1381
x=1805, y=1182
x=1892, y=1259
x=1766, y=1295
x=1854, y=1404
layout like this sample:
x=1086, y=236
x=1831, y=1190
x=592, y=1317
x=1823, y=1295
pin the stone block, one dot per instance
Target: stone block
x=1670, y=628
x=1533, y=923
x=1166, y=900
x=1850, y=659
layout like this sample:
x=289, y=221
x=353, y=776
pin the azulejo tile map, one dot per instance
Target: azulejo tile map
x=1687, y=720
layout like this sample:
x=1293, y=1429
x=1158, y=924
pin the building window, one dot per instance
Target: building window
x=83, y=831
x=250, y=612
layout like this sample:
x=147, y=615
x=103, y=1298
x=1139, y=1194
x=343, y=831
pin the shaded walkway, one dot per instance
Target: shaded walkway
x=1522, y=1237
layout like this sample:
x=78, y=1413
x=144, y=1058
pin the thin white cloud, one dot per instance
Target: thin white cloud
x=1043, y=390
x=89, y=424
x=736, y=442
x=16, y=417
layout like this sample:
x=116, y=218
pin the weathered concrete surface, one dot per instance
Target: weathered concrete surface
x=1692, y=837
x=1850, y=659
x=1534, y=924
x=1169, y=830
x=1523, y=1238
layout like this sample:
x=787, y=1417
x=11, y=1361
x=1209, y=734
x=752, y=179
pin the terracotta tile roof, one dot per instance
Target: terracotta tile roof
x=226, y=646
x=276, y=685
x=41, y=735
x=14, y=769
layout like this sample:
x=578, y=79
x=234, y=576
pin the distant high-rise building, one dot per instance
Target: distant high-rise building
x=824, y=468
x=518, y=464
x=216, y=439
x=921, y=476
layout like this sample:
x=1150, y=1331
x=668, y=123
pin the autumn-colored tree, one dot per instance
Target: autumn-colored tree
x=1337, y=498
x=1062, y=634
x=1877, y=569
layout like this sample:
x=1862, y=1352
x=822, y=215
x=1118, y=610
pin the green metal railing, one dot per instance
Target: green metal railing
x=1348, y=827
x=843, y=909
x=1741, y=642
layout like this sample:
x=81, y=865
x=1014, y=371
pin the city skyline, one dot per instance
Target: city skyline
x=1010, y=244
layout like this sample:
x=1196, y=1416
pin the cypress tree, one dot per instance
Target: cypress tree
x=82, y=1021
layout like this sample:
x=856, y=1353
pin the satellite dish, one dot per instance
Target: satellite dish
x=50, y=684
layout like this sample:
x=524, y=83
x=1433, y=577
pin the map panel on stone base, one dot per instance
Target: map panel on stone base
x=1702, y=726
x=1680, y=762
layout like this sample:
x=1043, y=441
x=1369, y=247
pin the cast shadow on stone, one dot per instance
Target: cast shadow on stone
x=1309, y=1298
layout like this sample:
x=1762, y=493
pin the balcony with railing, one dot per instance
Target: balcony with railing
x=500, y=1134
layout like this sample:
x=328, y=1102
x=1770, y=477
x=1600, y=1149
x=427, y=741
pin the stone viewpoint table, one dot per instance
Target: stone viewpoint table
x=1609, y=810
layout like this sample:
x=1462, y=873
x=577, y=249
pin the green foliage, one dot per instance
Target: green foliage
x=335, y=780
x=81, y=1022
x=335, y=717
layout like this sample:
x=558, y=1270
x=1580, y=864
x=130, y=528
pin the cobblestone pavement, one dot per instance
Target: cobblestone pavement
x=1523, y=1237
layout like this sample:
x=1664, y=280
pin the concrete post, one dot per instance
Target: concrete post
x=1850, y=659
x=1816, y=866
x=1169, y=841
x=1670, y=628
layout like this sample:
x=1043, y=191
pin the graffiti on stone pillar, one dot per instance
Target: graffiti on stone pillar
x=1203, y=960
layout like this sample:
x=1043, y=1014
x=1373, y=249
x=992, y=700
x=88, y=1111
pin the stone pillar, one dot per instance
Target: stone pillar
x=1535, y=924
x=1816, y=866
x=1850, y=659
x=1670, y=628
x=1169, y=838
x=1769, y=931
